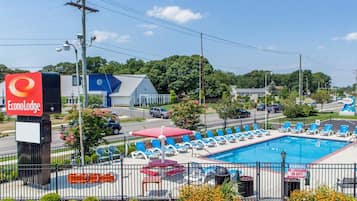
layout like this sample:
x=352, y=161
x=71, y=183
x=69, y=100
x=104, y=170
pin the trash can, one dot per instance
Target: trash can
x=245, y=186
x=290, y=185
x=221, y=175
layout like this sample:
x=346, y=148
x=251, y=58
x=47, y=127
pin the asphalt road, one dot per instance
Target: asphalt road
x=8, y=144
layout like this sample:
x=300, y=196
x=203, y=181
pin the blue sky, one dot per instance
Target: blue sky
x=324, y=32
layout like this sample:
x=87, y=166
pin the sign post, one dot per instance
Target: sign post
x=32, y=97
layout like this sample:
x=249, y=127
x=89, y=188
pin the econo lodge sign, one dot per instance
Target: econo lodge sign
x=24, y=94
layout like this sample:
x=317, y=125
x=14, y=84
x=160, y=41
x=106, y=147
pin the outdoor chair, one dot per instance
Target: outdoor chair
x=210, y=142
x=313, y=129
x=219, y=139
x=143, y=152
x=77, y=178
x=250, y=132
x=108, y=177
x=354, y=134
x=260, y=130
x=156, y=147
x=286, y=127
x=229, y=138
x=299, y=128
x=114, y=153
x=346, y=182
x=344, y=131
x=177, y=147
x=199, y=174
x=327, y=130
x=192, y=144
x=238, y=133
x=102, y=154
x=93, y=177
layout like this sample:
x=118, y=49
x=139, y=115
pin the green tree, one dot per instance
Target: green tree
x=187, y=114
x=225, y=108
x=321, y=97
x=93, y=129
x=95, y=99
x=173, y=97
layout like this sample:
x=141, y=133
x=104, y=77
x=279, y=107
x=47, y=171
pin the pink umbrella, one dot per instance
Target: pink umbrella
x=162, y=133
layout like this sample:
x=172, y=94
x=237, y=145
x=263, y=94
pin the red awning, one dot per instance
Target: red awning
x=166, y=131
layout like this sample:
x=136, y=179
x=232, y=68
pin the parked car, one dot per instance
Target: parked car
x=261, y=107
x=241, y=113
x=114, y=125
x=159, y=112
x=275, y=108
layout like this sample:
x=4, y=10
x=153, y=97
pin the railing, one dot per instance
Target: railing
x=120, y=181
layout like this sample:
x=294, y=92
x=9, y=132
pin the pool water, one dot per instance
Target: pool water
x=298, y=150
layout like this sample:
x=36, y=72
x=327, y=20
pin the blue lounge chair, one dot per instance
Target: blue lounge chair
x=286, y=127
x=113, y=152
x=179, y=148
x=299, y=128
x=156, y=146
x=354, y=134
x=192, y=144
x=313, y=129
x=143, y=152
x=219, y=139
x=102, y=154
x=262, y=131
x=250, y=132
x=239, y=135
x=229, y=138
x=327, y=130
x=344, y=131
x=210, y=142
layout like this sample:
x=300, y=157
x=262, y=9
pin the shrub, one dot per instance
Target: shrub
x=8, y=199
x=91, y=198
x=321, y=194
x=51, y=197
x=200, y=193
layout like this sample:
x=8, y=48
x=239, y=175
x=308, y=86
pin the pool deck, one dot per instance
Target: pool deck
x=132, y=178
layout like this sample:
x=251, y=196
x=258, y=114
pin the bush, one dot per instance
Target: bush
x=91, y=198
x=321, y=194
x=294, y=110
x=51, y=197
x=8, y=199
x=208, y=193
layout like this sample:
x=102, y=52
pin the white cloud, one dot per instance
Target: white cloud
x=148, y=26
x=174, y=13
x=102, y=36
x=123, y=39
x=349, y=37
x=320, y=47
x=149, y=33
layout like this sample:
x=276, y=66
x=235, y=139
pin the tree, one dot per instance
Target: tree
x=93, y=129
x=225, y=108
x=321, y=96
x=187, y=114
x=173, y=97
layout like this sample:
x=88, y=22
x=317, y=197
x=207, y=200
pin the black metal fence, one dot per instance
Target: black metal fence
x=118, y=180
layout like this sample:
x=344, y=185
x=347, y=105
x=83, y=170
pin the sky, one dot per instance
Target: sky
x=238, y=35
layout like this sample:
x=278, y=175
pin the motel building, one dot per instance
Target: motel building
x=115, y=90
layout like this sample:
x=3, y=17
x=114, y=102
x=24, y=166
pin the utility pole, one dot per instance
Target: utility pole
x=307, y=86
x=200, y=77
x=203, y=83
x=300, y=80
x=82, y=38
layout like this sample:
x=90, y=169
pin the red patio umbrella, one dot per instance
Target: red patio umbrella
x=162, y=133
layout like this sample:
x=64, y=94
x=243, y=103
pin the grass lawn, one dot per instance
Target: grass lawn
x=320, y=116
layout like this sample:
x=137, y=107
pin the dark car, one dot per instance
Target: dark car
x=261, y=107
x=114, y=125
x=241, y=113
x=276, y=108
x=159, y=112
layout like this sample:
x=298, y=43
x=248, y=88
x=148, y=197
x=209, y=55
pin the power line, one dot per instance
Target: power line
x=134, y=50
x=28, y=44
x=119, y=52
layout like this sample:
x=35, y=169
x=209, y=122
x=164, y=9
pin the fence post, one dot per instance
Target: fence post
x=56, y=166
x=122, y=176
x=283, y=157
x=354, y=179
x=188, y=172
x=258, y=180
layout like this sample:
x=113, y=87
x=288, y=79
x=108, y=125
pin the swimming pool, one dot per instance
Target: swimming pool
x=298, y=150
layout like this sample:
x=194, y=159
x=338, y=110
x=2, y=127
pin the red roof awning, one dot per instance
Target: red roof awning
x=166, y=131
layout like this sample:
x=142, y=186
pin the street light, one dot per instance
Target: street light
x=66, y=47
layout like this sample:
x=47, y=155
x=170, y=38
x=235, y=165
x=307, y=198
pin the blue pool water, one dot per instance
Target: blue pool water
x=298, y=150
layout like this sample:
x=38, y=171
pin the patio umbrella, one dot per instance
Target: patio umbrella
x=162, y=133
